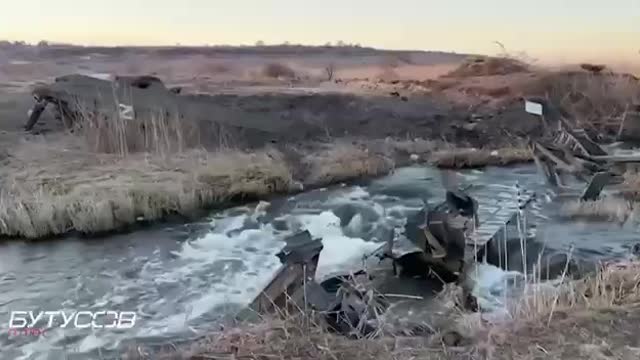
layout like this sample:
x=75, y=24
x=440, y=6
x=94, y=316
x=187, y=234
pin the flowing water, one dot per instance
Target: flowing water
x=181, y=280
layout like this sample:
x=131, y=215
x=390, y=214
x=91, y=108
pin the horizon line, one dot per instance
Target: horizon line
x=139, y=45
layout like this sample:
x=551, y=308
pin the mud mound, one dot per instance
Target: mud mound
x=487, y=66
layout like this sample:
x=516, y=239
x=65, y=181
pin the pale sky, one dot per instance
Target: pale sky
x=559, y=29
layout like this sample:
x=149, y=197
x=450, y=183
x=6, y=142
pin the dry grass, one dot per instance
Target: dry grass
x=605, y=208
x=471, y=158
x=615, y=284
x=154, y=133
x=278, y=70
x=125, y=171
x=592, y=99
x=417, y=150
x=632, y=185
x=51, y=190
x=594, y=317
x=344, y=161
x=54, y=185
x=488, y=66
x=296, y=334
x=403, y=71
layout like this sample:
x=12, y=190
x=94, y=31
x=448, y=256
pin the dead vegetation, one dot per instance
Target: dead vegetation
x=155, y=133
x=53, y=186
x=295, y=333
x=591, y=318
x=330, y=70
x=343, y=161
x=278, y=70
x=472, y=158
x=594, y=317
x=604, y=209
x=597, y=101
x=96, y=193
x=414, y=149
x=613, y=284
x=632, y=185
x=488, y=66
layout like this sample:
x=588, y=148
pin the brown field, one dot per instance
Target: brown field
x=370, y=112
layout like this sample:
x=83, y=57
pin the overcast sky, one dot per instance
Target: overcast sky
x=575, y=29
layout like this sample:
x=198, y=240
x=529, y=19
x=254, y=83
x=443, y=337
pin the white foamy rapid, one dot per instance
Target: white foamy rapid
x=179, y=287
x=341, y=254
x=494, y=288
x=239, y=255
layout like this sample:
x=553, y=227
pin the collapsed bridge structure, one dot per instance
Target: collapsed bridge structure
x=447, y=239
x=468, y=227
x=569, y=152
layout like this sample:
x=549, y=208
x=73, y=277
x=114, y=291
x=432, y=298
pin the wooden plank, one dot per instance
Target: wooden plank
x=491, y=226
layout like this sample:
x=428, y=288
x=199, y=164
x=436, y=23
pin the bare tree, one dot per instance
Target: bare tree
x=330, y=69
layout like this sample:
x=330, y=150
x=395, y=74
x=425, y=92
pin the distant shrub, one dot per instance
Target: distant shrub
x=278, y=70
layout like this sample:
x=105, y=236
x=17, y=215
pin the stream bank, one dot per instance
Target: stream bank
x=183, y=279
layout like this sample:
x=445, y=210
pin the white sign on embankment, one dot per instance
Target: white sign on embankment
x=533, y=108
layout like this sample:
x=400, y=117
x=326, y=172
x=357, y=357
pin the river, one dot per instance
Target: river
x=182, y=279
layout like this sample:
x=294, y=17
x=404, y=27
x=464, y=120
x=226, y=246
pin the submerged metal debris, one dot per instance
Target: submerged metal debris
x=449, y=238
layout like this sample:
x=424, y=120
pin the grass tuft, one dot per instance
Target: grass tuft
x=97, y=198
x=344, y=161
x=278, y=70
x=472, y=158
x=604, y=209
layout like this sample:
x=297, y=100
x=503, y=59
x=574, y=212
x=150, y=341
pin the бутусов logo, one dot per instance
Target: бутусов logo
x=38, y=322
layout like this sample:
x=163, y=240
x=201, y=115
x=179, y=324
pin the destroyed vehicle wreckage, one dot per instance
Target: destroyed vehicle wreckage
x=442, y=236
x=75, y=97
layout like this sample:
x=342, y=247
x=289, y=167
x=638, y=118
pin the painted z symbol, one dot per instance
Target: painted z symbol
x=126, y=111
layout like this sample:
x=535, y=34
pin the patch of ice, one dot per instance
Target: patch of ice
x=340, y=253
x=493, y=286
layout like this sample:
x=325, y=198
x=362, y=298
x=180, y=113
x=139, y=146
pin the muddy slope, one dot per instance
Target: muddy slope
x=327, y=116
